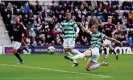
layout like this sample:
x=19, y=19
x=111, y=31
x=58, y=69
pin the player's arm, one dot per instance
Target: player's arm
x=24, y=30
x=114, y=40
x=23, y=42
x=114, y=30
x=103, y=36
x=76, y=29
x=85, y=29
x=25, y=33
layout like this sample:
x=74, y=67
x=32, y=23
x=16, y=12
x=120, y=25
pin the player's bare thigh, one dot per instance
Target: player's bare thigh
x=88, y=53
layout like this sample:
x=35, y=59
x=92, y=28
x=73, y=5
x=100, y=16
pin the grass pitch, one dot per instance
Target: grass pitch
x=55, y=67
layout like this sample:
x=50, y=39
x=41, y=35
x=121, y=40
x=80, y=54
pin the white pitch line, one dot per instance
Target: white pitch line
x=55, y=70
x=31, y=78
x=16, y=78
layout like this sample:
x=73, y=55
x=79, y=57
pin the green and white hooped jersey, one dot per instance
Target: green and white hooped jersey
x=68, y=28
x=96, y=39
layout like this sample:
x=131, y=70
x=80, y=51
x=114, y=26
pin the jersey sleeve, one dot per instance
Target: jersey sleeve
x=103, y=36
x=24, y=30
x=75, y=25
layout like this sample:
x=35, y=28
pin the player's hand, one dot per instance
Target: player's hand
x=120, y=43
x=80, y=24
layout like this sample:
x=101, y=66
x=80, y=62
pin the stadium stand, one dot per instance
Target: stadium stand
x=4, y=38
x=43, y=20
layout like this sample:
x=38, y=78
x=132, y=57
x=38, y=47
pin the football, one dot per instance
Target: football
x=51, y=50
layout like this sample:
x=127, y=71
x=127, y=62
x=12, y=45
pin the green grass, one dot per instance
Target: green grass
x=51, y=67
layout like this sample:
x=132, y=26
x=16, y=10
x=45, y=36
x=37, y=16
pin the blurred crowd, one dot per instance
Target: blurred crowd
x=43, y=21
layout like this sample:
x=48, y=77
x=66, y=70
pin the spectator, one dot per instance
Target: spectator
x=130, y=41
x=26, y=8
x=9, y=6
x=84, y=40
x=130, y=35
x=43, y=21
x=121, y=35
x=30, y=14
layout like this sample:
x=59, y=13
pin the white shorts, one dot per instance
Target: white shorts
x=95, y=54
x=16, y=45
x=69, y=43
x=106, y=42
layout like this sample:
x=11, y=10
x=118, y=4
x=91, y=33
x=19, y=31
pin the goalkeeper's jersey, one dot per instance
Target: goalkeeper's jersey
x=96, y=39
x=68, y=28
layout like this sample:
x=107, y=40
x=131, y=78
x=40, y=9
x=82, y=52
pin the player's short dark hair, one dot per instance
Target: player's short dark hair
x=68, y=13
x=93, y=22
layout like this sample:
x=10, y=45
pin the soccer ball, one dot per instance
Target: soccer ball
x=51, y=50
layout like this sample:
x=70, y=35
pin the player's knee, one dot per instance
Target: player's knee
x=65, y=49
x=14, y=50
x=68, y=49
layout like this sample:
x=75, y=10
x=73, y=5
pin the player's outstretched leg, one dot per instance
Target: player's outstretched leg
x=69, y=56
x=82, y=55
x=78, y=56
x=92, y=65
x=16, y=53
x=75, y=51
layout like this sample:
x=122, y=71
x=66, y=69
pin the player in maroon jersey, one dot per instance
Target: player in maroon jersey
x=108, y=29
x=18, y=30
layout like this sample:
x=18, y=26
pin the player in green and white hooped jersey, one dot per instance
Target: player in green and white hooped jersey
x=70, y=30
x=93, y=51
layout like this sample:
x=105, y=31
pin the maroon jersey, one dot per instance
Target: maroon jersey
x=18, y=30
x=108, y=29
